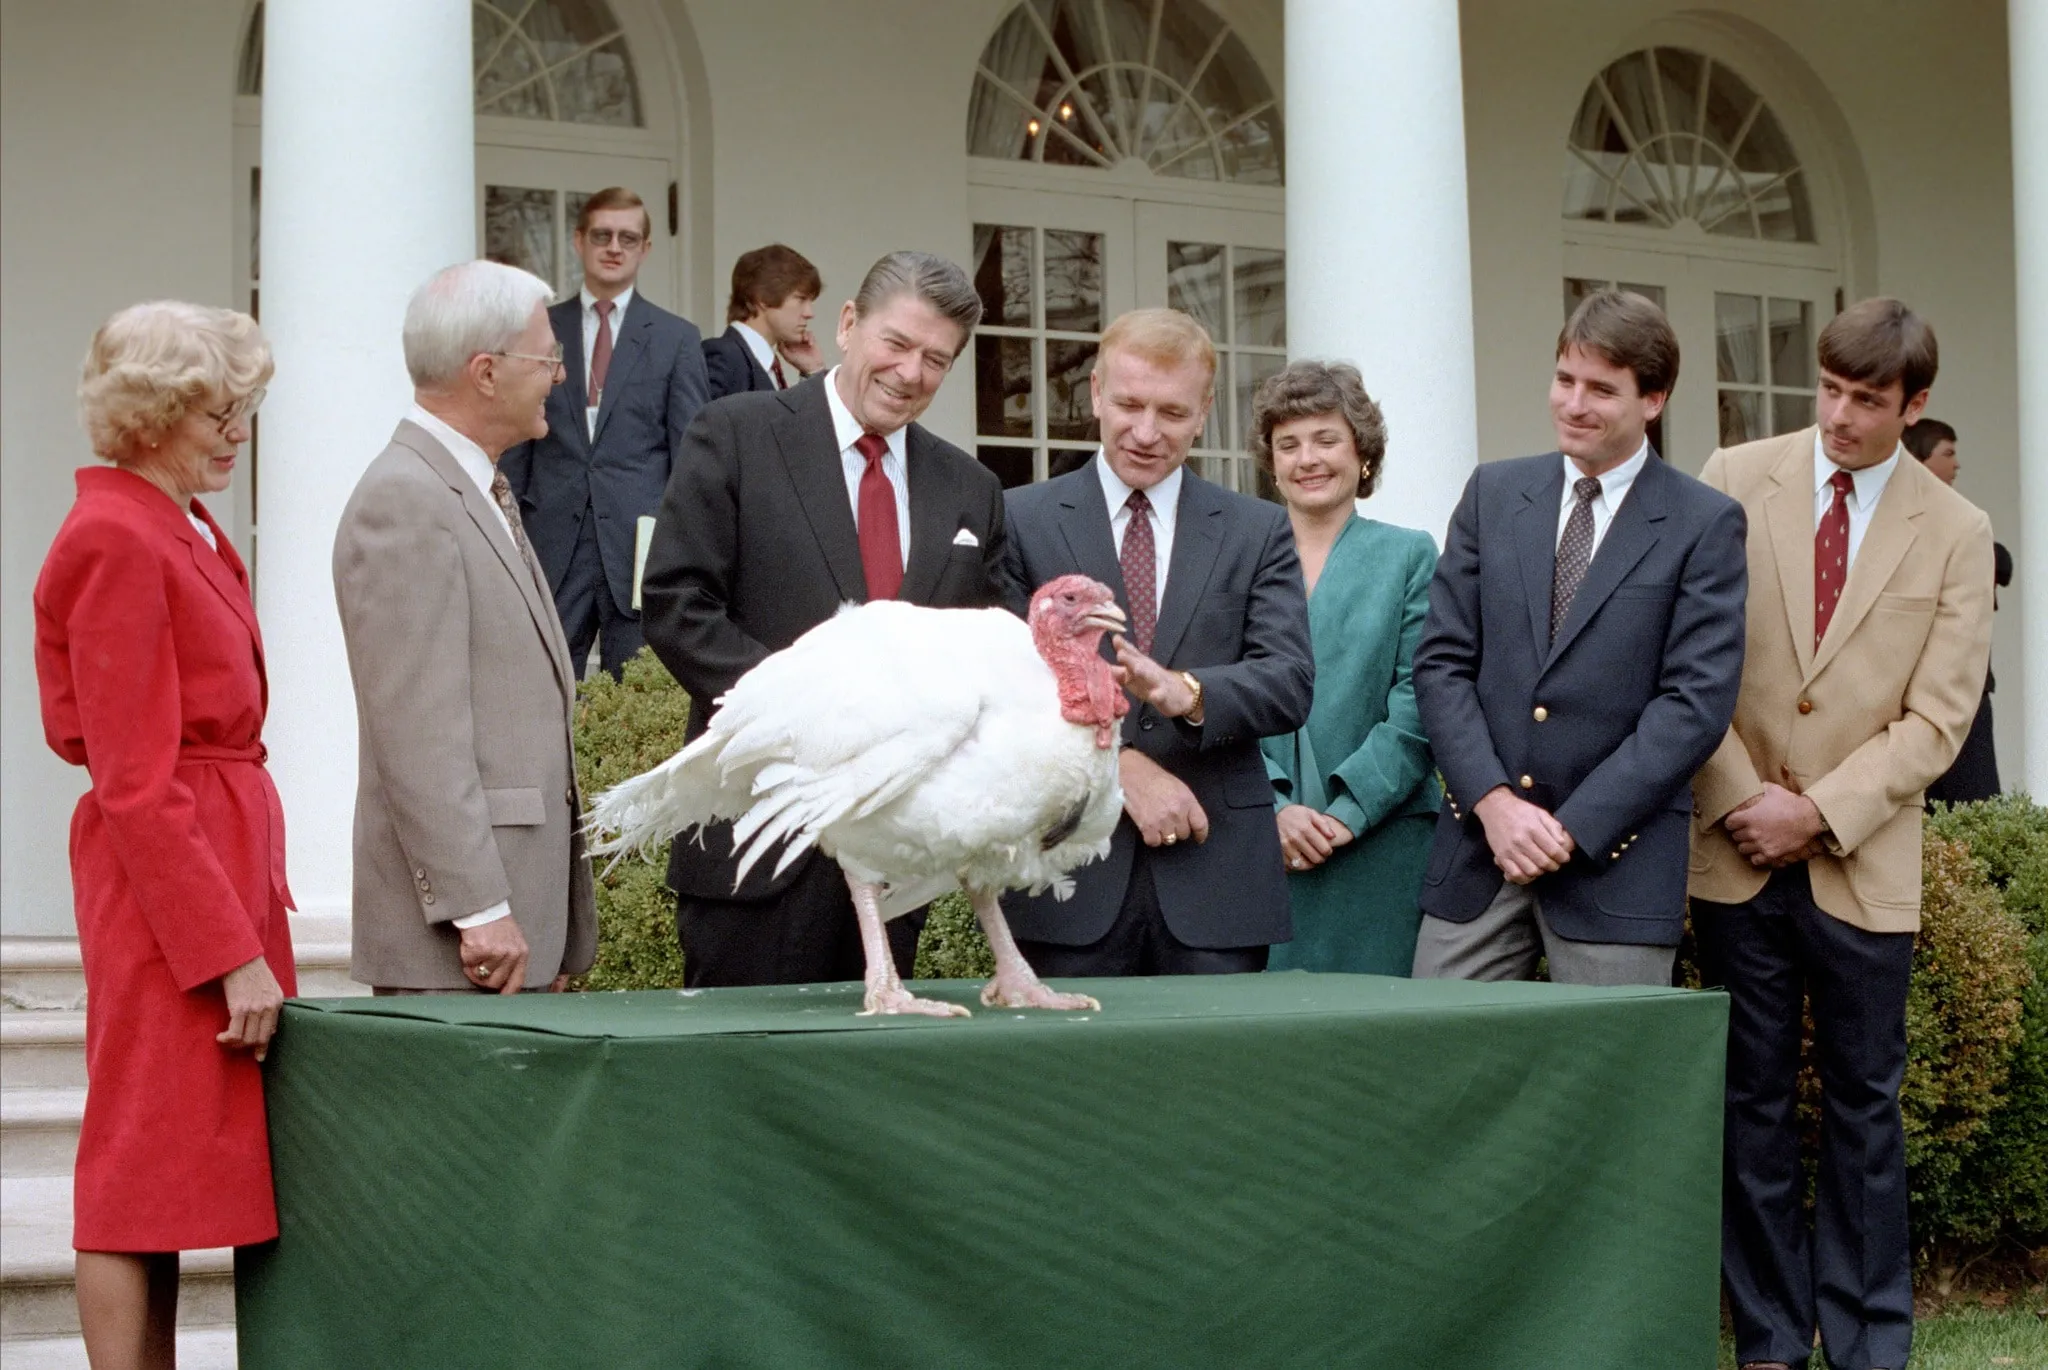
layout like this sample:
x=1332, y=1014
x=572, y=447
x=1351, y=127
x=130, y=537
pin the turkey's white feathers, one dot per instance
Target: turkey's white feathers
x=920, y=748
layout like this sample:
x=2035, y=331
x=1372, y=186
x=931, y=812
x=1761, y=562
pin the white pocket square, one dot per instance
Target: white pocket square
x=965, y=538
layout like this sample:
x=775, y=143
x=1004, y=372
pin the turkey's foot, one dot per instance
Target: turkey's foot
x=1017, y=992
x=896, y=999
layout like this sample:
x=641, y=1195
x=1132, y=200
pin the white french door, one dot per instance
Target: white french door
x=528, y=200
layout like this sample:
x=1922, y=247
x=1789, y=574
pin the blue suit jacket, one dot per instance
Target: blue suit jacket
x=655, y=386
x=1605, y=726
x=1235, y=614
x=732, y=367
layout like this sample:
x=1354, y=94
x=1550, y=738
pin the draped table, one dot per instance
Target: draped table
x=1261, y=1170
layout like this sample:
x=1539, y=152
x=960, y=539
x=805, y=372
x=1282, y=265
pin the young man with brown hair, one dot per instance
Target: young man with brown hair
x=1579, y=662
x=768, y=324
x=1869, y=629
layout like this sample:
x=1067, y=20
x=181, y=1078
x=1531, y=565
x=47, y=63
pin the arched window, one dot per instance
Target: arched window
x=1095, y=83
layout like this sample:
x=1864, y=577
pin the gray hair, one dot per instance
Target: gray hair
x=932, y=279
x=464, y=310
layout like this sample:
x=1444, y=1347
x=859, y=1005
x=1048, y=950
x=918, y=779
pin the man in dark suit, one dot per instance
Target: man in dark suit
x=1580, y=661
x=768, y=324
x=635, y=380
x=783, y=507
x=1217, y=658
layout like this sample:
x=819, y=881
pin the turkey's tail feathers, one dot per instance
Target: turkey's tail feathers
x=686, y=791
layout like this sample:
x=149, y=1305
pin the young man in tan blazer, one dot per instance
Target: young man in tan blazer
x=469, y=865
x=1869, y=630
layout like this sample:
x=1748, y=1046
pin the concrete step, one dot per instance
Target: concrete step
x=39, y=1131
x=205, y=1348
x=42, y=1050
x=44, y=973
x=37, y=1266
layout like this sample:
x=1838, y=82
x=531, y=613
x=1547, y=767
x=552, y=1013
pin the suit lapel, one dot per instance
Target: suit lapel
x=568, y=320
x=1535, y=533
x=810, y=453
x=934, y=515
x=1084, y=524
x=1197, y=536
x=223, y=570
x=1788, y=511
x=1631, y=532
x=633, y=330
x=1893, y=526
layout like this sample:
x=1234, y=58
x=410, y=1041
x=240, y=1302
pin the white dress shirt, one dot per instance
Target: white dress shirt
x=1862, y=500
x=1165, y=500
x=763, y=350
x=618, y=316
x=480, y=469
x=1614, y=486
x=847, y=430
x=204, y=530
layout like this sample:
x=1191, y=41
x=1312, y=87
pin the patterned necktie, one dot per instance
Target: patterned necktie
x=775, y=370
x=1140, y=560
x=881, y=541
x=1831, y=556
x=1574, y=552
x=601, y=350
x=508, y=505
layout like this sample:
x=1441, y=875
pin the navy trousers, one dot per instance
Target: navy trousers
x=807, y=934
x=589, y=612
x=1849, y=1272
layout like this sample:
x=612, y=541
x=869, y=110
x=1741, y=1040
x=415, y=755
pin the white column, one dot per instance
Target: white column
x=369, y=186
x=1379, y=258
x=2027, y=35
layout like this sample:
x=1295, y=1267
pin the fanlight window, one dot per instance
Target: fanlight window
x=562, y=60
x=1665, y=137
x=1093, y=83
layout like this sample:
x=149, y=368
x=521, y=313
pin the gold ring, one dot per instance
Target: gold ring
x=1172, y=838
x=484, y=971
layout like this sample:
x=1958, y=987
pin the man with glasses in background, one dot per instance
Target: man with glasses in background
x=635, y=379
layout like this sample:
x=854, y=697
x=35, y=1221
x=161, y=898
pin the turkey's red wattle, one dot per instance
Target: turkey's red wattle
x=1072, y=646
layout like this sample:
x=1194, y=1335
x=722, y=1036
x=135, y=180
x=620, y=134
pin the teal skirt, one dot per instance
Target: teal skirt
x=1358, y=911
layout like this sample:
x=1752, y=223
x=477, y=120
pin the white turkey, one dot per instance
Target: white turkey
x=964, y=749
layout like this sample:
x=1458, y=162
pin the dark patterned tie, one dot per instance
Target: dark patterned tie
x=1831, y=556
x=601, y=351
x=1574, y=552
x=1141, y=571
x=508, y=505
x=881, y=541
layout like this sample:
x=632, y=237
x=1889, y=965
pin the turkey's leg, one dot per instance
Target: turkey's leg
x=1016, y=985
x=885, y=990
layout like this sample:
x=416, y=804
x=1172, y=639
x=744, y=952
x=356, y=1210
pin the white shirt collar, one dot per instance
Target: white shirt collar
x=846, y=428
x=622, y=300
x=763, y=350
x=470, y=457
x=1614, y=482
x=1164, y=496
x=1869, y=482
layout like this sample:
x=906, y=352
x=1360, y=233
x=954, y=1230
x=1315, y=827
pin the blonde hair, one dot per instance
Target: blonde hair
x=1164, y=337
x=151, y=364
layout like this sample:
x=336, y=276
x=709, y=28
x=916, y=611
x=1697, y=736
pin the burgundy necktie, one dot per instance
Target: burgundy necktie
x=601, y=350
x=881, y=542
x=1141, y=571
x=775, y=370
x=1831, y=556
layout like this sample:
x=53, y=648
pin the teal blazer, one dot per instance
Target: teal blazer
x=1362, y=757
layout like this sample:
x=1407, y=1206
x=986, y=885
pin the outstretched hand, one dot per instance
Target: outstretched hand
x=1149, y=682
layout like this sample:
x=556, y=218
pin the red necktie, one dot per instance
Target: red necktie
x=881, y=542
x=1140, y=560
x=601, y=350
x=775, y=370
x=1831, y=556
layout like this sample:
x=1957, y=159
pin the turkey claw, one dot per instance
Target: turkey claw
x=1035, y=994
x=900, y=1000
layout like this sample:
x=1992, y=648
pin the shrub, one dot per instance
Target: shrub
x=952, y=947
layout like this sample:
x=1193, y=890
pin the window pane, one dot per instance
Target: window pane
x=519, y=228
x=572, y=265
x=1002, y=274
x=1259, y=288
x=1194, y=284
x=1653, y=293
x=1737, y=326
x=1002, y=387
x=1792, y=356
x=1742, y=416
x=1790, y=413
x=1065, y=459
x=1250, y=368
x=1073, y=281
x=1068, y=413
x=1012, y=465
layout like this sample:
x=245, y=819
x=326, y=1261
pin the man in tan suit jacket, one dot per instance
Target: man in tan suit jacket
x=1869, y=631
x=469, y=863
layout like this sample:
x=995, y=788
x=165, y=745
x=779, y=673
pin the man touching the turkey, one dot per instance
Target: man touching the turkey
x=1216, y=658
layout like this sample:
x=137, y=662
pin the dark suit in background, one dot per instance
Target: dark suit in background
x=756, y=545
x=1235, y=615
x=1603, y=727
x=582, y=496
x=732, y=366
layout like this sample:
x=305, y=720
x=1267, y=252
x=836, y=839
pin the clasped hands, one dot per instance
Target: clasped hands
x=1776, y=828
x=1527, y=840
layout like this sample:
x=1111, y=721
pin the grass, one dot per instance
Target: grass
x=1965, y=1337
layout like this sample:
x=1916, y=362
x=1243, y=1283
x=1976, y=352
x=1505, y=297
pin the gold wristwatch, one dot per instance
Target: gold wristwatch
x=1194, y=713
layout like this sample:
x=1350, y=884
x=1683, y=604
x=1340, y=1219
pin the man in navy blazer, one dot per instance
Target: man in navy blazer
x=1580, y=662
x=767, y=343
x=1216, y=658
x=635, y=378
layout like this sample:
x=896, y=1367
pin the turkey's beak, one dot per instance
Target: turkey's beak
x=1105, y=616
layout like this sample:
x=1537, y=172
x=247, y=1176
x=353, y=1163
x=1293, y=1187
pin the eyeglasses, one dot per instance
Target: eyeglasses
x=602, y=237
x=243, y=408
x=553, y=359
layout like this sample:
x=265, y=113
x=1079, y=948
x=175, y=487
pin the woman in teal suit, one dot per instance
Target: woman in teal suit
x=1357, y=792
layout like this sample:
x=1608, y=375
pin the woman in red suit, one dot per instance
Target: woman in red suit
x=151, y=670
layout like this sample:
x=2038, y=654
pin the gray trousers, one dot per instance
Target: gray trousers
x=1505, y=940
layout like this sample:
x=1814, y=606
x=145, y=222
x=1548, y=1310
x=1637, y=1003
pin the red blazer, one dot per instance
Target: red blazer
x=151, y=671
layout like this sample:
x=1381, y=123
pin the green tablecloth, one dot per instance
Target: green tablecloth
x=1252, y=1171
